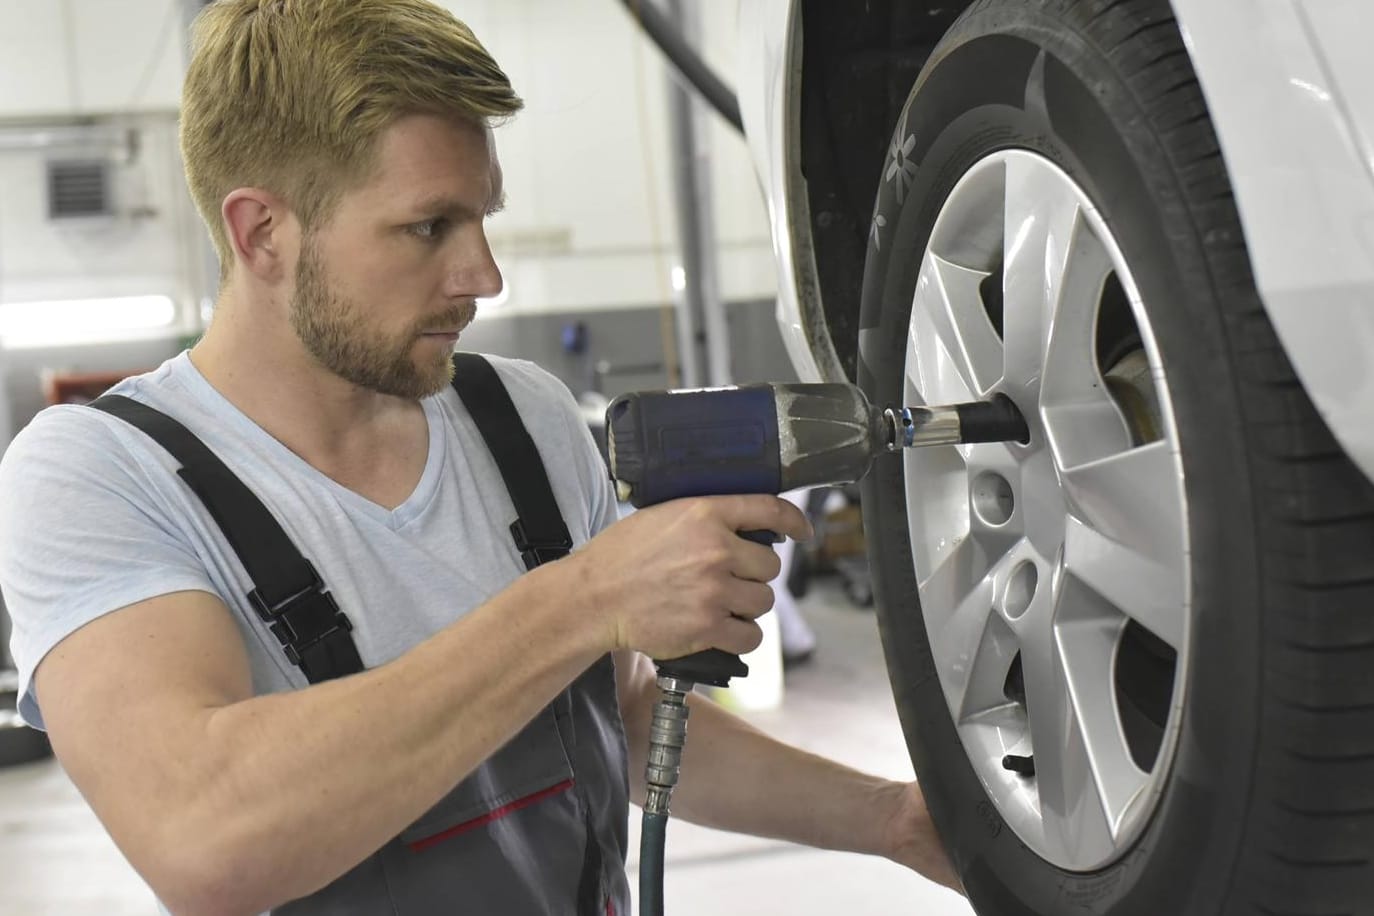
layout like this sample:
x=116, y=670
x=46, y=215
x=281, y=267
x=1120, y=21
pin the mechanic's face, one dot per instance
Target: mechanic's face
x=383, y=289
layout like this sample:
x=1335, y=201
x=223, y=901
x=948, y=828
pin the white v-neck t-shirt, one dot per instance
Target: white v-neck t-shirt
x=93, y=518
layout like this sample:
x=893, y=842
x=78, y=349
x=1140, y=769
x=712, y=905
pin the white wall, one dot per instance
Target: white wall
x=590, y=222
x=80, y=57
x=149, y=245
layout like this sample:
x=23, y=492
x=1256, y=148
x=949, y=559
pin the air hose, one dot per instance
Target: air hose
x=651, y=842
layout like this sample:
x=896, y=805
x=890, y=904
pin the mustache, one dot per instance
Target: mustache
x=455, y=316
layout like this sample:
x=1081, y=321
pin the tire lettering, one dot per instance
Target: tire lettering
x=990, y=819
x=1084, y=892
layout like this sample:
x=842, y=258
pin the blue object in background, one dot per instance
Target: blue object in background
x=574, y=337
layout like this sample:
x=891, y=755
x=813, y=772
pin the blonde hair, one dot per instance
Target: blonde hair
x=292, y=95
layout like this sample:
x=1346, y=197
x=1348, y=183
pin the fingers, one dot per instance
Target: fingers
x=737, y=636
x=762, y=513
x=716, y=580
x=748, y=599
x=754, y=561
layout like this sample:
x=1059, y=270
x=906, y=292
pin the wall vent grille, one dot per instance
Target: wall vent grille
x=78, y=188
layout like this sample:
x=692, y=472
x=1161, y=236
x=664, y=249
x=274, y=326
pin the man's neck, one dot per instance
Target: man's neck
x=270, y=377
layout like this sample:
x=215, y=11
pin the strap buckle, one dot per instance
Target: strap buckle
x=536, y=553
x=303, y=619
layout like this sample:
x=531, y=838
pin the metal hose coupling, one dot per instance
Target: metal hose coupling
x=667, y=734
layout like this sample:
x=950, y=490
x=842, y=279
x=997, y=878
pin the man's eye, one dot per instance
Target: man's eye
x=429, y=230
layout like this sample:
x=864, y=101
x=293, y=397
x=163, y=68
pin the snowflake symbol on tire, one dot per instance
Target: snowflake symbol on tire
x=879, y=221
x=901, y=168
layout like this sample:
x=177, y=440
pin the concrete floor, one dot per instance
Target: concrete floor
x=55, y=859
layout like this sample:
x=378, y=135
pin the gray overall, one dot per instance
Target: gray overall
x=510, y=840
x=539, y=828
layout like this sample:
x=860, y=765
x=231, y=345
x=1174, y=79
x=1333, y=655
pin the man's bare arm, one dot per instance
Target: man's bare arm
x=734, y=777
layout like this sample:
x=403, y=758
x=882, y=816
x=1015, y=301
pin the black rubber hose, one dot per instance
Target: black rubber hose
x=651, y=840
x=670, y=41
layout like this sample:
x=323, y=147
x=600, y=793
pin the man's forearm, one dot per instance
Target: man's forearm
x=350, y=763
x=736, y=778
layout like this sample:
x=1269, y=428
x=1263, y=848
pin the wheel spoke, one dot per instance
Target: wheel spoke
x=1147, y=591
x=1082, y=421
x=1071, y=809
x=1040, y=216
x=986, y=688
x=1088, y=646
x=936, y=370
x=949, y=296
x=1134, y=498
x=956, y=600
x=1071, y=371
x=1086, y=429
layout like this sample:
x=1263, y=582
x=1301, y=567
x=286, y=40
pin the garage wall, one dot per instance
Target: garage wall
x=590, y=227
x=590, y=222
x=591, y=218
x=65, y=58
x=147, y=245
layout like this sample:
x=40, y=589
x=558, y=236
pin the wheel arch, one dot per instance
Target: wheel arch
x=857, y=67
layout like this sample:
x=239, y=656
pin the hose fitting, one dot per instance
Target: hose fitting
x=667, y=735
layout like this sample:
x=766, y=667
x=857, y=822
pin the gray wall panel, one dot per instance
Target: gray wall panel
x=628, y=340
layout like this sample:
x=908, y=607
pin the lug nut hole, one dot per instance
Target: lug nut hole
x=993, y=498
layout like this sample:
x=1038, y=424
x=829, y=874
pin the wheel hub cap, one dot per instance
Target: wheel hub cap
x=1053, y=576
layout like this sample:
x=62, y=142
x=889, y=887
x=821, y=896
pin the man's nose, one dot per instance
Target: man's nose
x=474, y=271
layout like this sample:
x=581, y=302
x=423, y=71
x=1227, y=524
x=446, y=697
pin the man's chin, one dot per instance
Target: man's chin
x=422, y=372
x=413, y=379
x=432, y=377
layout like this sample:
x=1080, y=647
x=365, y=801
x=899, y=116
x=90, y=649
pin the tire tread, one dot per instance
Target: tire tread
x=1316, y=526
x=1308, y=847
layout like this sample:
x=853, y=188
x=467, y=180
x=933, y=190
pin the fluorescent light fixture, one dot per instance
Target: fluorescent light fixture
x=57, y=322
x=679, y=278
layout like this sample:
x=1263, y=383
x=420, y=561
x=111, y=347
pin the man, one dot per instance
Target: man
x=341, y=154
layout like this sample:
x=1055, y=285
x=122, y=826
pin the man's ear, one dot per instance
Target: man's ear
x=259, y=226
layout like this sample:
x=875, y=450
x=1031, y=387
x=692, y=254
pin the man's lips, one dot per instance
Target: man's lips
x=455, y=330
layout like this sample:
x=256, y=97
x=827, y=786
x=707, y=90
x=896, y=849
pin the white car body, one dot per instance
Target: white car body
x=1290, y=87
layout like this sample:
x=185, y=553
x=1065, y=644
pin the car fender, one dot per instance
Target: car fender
x=1290, y=87
x=769, y=69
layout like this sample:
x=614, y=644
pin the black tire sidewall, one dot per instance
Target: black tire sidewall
x=970, y=101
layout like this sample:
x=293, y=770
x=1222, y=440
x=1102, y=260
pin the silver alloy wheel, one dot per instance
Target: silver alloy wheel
x=1037, y=563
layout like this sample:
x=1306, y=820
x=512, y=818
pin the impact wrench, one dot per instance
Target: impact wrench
x=665, y=445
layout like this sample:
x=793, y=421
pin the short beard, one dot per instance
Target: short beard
x=334, y=332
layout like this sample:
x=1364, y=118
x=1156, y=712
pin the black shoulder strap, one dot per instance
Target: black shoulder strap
x=540, y=534
x=539, y=530
x=288, y=594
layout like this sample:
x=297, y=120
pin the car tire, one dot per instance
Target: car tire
x=1263, y=802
